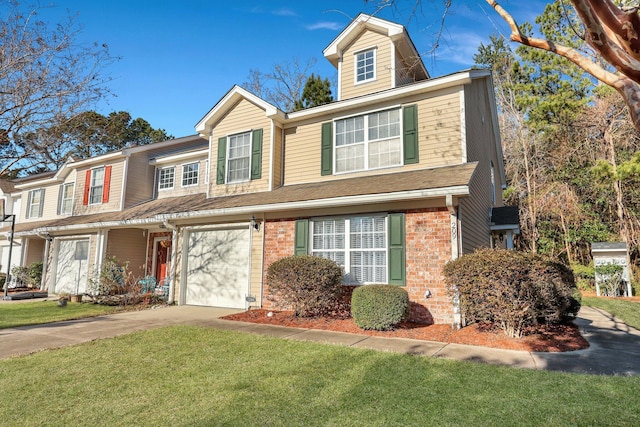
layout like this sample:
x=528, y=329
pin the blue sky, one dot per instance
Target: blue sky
x=179, y=57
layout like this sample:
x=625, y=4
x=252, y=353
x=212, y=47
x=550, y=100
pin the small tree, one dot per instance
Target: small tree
x=316, y=92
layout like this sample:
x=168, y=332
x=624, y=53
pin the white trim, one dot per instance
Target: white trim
x=159, y=179
x=227, y=157
x=357, y=82
x=339, y=90
x=104, y=174
x=195, y=162
x=56, y=252
x=272, y=136
x=463, y=129
x=73, y=197
x=458, y=79
x=460, y=190
x=177, y=158
x=125, y=173
x=393, y=64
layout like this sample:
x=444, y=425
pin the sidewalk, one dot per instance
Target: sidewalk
x=614, y=346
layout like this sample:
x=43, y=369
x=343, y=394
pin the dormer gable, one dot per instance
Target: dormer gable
x=373, y=54
x=228, y=102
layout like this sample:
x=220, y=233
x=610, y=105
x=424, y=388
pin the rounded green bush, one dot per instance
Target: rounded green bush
x=309, y=285
x=379, y=307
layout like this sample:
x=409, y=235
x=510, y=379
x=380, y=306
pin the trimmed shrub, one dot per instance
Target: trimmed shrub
x=379, y=307
x=35, y=274
x=512, y=289
x=308, y=285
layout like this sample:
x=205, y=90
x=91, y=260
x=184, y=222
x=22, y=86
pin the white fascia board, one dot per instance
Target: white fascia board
x=367, y=199
x=236, y=93
x=93, y=225
x=179, y=157
x=38, y=183
x=99, y=159
x=514, y=227
x=361, y=21
x=457, y=79
x=139, y=148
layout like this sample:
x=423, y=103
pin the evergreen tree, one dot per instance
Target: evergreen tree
x=316, y=92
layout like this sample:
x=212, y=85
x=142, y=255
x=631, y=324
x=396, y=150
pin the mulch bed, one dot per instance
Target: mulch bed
x=542, y=338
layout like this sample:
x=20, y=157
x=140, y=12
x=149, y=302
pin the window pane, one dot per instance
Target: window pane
x=384, y=153
x=190, y=174
x=239, y=157
x=97, y=181
x=166, y=178
x=350, y=158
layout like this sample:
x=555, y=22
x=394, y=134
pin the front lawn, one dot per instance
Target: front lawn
x=625, y=310
x=195, y=376
x=13, y=314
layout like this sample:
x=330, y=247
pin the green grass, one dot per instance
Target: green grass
x=195, y=376
x=627, y=311
x=38, y=312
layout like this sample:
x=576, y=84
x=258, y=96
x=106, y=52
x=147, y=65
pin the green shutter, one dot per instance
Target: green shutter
x=222, y=160
x=397, y=264
x=302, y=237
x=327, y=149
x=410, y=139
x=256, y=154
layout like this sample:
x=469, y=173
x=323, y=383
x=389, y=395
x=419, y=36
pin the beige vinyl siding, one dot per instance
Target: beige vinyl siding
x=140, y=180
x=115, y=189
x=49, y=210
x=475, y=209
x=278, y=159
x=439, y=133
x=128, y=245
x=243, y=117
x=178, y=189
x=35, y=251
x=257, y=249
x=383, y=65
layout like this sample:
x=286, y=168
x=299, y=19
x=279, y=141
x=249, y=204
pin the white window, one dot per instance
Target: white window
x=239, y=157
x=190, y=174
x=97, y=186
x=34, y=203
x=66, y=199
x=165, y=178
x=365, y=63
x=357, y=244
x=368, y=142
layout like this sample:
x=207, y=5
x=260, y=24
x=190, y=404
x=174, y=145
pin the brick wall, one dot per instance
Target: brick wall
x=428, y=248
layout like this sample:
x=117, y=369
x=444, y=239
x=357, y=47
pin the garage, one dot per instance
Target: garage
x=217, y=267
x=72, y=266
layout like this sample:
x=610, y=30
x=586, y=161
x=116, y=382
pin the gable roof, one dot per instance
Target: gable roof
x=228, y=102
x=395, y=32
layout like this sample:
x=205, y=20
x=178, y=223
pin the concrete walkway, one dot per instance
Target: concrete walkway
x=615, y=347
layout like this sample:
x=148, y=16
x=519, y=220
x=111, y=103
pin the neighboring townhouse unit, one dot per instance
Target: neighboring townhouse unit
x=396, y=177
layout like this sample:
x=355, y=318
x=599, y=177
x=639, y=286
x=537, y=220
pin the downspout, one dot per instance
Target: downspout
x=455, y=253
x=45, y=262
x=174, y=250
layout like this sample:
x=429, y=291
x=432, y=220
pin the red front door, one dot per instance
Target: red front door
x=162, y=255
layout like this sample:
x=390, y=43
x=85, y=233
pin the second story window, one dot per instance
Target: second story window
x=365, y=63
x=239, y=158
x=35, y=203
x=166, y=178
x=368, y=142
x=97, y=186
x=190, y=174
x=66, y=199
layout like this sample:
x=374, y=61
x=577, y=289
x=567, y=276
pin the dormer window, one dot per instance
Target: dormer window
x=166, y=177
x=365, y=65
x=239, y=158
x=190, y=174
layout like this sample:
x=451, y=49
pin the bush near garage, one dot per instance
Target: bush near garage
x=308, y=285
x=512, y=290
x=379, y=307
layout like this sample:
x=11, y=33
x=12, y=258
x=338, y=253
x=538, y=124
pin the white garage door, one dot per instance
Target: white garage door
x=217, y=271
x=72, y=266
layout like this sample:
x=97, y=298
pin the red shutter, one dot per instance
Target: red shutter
x=107, y=184
x=87, y=185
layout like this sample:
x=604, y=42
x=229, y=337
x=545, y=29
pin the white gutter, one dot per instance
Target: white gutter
x=107, y=224
x=272, y=136
x=178, y=157
x=172, y=269
x=460, y=190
